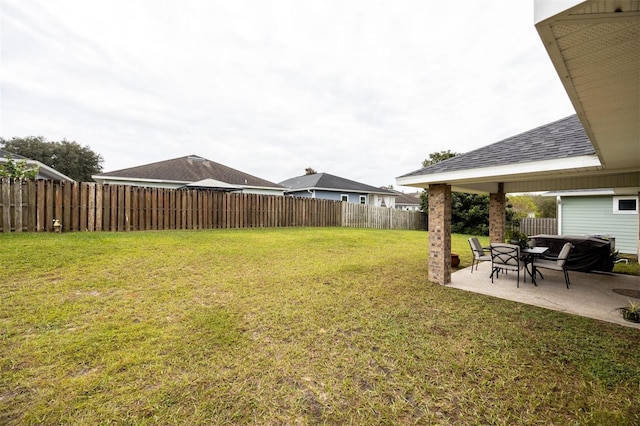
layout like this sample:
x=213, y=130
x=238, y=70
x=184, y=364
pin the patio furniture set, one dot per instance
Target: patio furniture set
x=511, y=257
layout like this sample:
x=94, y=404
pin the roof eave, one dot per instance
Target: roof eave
x=528, y=171
x=131, y=179
x=604, y=89
x=306, y=189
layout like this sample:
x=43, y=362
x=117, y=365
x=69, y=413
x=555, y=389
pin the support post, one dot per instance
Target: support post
x=497, y=215
x=440, y=234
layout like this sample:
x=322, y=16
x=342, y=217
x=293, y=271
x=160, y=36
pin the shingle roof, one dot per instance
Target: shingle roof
x=561, y=139
x=408, y=199
x=4, y=154
x=191, y=168
x=331, y=182
x=44, y=171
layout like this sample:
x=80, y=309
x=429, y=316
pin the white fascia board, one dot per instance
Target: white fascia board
x=579, y=193
x=588, y=192
x=341, y=190
x=526, y=170
x=53, y=171
x=130, y=179
x=268, y=188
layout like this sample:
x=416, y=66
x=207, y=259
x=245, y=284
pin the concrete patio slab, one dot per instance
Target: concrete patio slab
x=590, y=294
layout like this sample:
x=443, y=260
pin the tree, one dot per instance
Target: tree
x=546, y=206
x=309, y=171
x=469, y=212
x=522, y=206
x=436, y=157
x=68, y=157
x=17, y=170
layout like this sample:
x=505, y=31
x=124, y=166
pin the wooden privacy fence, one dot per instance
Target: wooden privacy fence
x=538, y=226
x=365, y=216
x=34, y=205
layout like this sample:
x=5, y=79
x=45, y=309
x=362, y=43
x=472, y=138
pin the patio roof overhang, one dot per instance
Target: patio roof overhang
x=595, y=48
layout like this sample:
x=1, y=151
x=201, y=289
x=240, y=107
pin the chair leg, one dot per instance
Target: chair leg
x=566, y=277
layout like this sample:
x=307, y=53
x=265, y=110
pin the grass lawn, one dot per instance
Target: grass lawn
x=287, y=326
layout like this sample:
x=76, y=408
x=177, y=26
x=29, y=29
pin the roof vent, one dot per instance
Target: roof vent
x=195, y=158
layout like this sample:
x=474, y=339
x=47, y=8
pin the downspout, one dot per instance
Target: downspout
x=559, y=213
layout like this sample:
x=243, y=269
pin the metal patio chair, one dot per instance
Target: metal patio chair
x=556, y=264
x=479, y=254
x=506, y=257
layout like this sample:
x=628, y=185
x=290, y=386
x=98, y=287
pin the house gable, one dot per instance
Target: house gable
x=330, y=187
x=182, y=171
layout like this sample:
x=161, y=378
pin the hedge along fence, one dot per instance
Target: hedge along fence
x=34, y=205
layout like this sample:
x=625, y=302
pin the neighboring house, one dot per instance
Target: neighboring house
x=409, y=202
x=44, y=171
x=192, y=172
x=609, y=213
x=329, y=187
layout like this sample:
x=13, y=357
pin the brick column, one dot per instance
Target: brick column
x=440, y=234
x=497, y=215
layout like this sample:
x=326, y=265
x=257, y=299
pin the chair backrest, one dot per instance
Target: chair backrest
x=505, y=254
x=476, y=247
x=564, y=254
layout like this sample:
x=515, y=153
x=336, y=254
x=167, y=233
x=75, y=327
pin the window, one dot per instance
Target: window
x=625, y=205
x=344, y=197
x=363, y=199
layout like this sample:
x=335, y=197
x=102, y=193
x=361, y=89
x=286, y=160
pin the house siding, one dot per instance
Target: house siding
x=354, y=197
x=594, y=216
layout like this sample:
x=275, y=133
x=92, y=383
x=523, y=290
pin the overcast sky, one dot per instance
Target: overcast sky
x=360, y=89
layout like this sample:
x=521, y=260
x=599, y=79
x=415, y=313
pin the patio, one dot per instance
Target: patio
x=591, y=294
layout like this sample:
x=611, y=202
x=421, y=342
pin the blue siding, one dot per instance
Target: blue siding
x=594, y=216
x=354, y=197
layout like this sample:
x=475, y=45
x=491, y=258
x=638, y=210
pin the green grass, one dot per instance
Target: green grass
x=287, y=326
x=629, y=268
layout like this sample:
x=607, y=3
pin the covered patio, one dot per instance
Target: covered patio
x=593, y=46
x=592, y=295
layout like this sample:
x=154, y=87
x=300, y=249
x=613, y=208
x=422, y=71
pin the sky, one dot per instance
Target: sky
x=365, y=90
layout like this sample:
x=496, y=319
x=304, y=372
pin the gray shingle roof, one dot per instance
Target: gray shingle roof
x=408, y=199
x=191, y=168
x=331, y=182
x=564, y=138
x=5, y=154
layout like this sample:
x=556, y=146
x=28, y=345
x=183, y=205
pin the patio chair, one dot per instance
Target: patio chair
x=506, y=257
x=556, y=264
x=479, y=254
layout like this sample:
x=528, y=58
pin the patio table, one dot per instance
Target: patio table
x=529, y=255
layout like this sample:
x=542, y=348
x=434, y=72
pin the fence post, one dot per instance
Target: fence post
x=5, y=197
